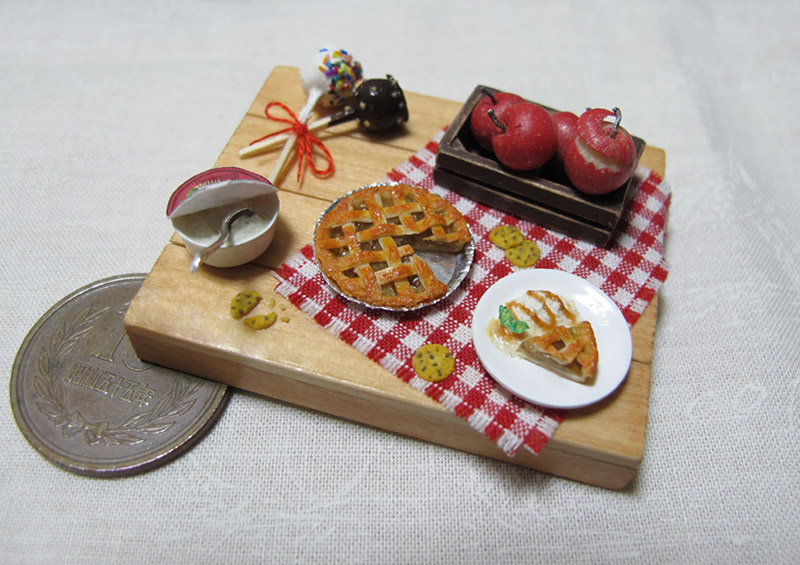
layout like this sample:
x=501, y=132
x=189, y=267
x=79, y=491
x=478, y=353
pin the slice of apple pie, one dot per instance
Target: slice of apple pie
x=546, y=329
x=569, y=351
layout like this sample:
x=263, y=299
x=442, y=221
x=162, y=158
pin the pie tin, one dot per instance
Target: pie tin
x=450, y=268
x=87, y=403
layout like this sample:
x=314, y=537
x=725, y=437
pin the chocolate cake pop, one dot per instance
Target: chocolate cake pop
x=378, y=104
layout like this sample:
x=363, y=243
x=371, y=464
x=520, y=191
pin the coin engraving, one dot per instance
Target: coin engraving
x=53, y=399
x=86, y=401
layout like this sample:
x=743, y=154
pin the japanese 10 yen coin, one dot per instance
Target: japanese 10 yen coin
x=86, y=402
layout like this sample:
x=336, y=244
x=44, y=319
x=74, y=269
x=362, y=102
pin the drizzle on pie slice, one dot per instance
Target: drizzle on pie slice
x=367, y=244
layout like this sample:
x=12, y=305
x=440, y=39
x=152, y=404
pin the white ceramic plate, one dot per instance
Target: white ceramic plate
x=534, y=383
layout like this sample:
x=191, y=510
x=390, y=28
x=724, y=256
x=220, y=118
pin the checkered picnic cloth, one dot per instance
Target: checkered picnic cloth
x=629, y=270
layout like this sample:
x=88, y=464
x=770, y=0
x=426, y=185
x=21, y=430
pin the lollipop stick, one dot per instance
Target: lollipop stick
x=313, y=96
x=282, y=158
x=264, y=144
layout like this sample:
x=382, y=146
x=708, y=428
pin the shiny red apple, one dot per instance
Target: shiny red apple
x=603, y=156
x=566, y=124
x=525, y=137
x=481, y=124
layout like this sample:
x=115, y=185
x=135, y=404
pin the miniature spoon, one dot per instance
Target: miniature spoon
x=225, y=231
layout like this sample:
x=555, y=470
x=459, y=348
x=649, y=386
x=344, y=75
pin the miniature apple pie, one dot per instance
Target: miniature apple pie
x=542, y=327
x=367, y=244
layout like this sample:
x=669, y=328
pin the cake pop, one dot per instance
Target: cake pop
x=334, y=72
x=331, y=74
x=378, y=104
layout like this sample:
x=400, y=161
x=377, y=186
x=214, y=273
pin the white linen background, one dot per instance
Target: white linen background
x=107, y=106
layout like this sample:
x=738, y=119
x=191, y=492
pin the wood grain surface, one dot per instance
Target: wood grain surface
x=181, y=320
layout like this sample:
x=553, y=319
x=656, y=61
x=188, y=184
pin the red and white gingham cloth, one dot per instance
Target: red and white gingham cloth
x=630, y=270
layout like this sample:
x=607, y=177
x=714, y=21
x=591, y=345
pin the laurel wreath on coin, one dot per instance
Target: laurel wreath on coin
x=53, y=402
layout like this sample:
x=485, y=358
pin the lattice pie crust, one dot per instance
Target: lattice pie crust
x=367, y=244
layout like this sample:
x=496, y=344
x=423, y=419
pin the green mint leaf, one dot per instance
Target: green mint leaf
x=519, y=327
x=507, y=319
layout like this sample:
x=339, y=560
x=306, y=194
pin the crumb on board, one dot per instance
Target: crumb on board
x=246, y=301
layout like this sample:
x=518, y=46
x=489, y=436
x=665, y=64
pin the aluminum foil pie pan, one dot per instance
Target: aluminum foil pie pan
x=450, y=268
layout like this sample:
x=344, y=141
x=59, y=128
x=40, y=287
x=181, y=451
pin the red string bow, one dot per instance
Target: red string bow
x=305, y=140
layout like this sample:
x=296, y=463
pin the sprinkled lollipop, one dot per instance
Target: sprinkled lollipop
x=378, y=104
x=330, y=76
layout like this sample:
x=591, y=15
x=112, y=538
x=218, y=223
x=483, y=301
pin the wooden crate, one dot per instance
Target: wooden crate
x=543, y=196
x=181, y=320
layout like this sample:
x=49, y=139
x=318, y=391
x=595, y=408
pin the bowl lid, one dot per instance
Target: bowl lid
x=215, y=188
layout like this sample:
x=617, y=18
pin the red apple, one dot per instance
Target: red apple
x=525, y=137
x=566, y=124
x=602, y=156
x=481, y=124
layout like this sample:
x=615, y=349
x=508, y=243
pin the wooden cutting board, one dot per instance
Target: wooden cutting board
x=181, y=320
